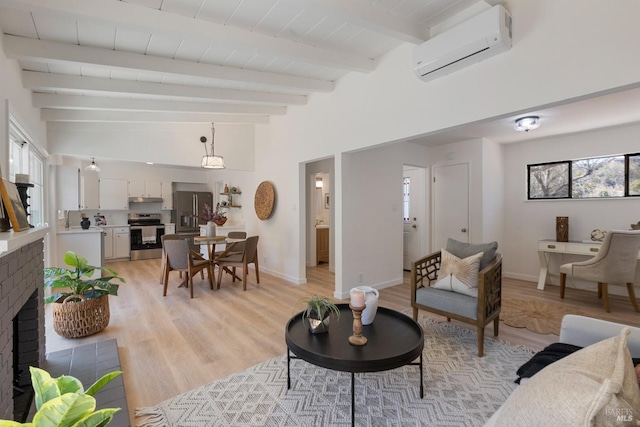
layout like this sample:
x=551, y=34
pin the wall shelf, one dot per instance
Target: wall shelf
x=230, y=199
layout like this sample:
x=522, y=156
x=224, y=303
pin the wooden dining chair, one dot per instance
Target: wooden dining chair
x=179, y=257
x=248, y=256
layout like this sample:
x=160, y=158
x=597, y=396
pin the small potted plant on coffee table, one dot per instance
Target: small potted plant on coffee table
x=318, y=313
x=83, y=307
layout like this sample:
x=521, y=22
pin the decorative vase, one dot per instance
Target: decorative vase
x=220, y=221
x=85, y=223
x=319, y=323
x=211, y=229
x=562, y=228
x=371, y=296
x=76, y=316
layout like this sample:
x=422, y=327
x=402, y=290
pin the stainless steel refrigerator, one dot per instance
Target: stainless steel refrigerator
x=187, y=207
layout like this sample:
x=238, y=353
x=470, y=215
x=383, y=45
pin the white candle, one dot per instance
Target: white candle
x=357, y=298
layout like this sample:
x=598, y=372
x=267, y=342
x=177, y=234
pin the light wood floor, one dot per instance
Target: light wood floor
x=169, y=345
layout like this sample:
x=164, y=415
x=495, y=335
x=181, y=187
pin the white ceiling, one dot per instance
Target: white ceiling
x=234, y=61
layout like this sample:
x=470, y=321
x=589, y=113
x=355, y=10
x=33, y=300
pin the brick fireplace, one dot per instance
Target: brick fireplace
x=21, y=313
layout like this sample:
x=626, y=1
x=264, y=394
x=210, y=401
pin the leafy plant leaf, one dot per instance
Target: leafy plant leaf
x=65, y=410
x=69, y=384
x=104, y=380
x=45, y=387
x=98, y=419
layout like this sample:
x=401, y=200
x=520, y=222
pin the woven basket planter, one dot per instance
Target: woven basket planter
x=75, y=319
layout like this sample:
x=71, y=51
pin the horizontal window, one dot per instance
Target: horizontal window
x=598, y=177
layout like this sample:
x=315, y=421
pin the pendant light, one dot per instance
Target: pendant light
x=92, y=167
x=211, y=161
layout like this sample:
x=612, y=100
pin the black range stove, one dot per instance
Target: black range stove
x=146, y=234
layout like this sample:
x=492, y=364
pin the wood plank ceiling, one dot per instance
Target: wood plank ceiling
x=235, y=61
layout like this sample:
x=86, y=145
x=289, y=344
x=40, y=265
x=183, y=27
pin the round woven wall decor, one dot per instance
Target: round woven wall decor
x=264, y=200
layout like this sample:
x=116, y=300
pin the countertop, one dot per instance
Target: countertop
x=78, y=229
x=114, y=226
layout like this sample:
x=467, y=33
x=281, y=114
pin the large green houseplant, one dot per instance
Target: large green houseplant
x=81, y=307
x=63, y=402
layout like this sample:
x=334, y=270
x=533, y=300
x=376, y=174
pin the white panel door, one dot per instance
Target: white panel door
x=410, y=217
x=450, y=204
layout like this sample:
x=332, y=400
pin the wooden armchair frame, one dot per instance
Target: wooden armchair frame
x=424, y=272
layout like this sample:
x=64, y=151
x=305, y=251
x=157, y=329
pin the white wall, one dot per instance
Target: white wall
x=162, y=143
x=526, y=222
x=554, y=50
x=15, y=98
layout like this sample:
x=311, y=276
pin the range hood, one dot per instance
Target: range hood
x=145, y=199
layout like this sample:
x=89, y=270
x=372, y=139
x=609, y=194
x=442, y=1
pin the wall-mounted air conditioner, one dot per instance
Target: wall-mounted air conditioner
x=475, y=39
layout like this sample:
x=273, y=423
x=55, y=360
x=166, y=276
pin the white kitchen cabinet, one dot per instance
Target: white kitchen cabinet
x=167, y=196
x=114, y=194
x=141, y=188
x=170, y=228
x=108, y=243
x=116, y=243
x=90, y=190
x=121, y=242
x=67, y=188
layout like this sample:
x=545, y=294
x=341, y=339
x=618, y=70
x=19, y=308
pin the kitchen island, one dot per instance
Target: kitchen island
x=86, y=243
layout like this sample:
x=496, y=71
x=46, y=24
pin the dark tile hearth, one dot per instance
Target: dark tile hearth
x=88, y=363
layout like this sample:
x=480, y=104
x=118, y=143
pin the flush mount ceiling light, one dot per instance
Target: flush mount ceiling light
x=92, y=167
x=527, y=123
x=211, y=161
x=318, y=182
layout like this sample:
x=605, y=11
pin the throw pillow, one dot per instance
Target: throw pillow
x=595, y=386
x=464, y=250
x=458, y=275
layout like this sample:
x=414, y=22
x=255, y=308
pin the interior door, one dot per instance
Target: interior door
x=450, y=204
x=410, y=222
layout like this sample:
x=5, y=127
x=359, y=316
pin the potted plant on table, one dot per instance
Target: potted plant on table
x=83, y=309
x=318, y=313
x=212, y=217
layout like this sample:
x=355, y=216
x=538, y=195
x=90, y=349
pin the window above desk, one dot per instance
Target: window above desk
x=614, y=176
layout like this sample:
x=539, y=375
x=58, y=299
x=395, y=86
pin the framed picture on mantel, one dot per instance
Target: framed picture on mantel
x=13, y=205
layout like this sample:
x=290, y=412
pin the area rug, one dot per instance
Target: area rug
x=541, y=317
x=461, y=389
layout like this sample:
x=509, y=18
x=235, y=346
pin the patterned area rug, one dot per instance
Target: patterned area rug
x=536, y=316
x=461, y=389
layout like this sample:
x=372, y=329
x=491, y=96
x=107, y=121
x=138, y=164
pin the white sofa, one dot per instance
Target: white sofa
x=585, y=331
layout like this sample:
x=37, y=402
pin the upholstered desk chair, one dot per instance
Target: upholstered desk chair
x=615, y=263
x=478, y=311
x=179, y=257
x=248, y=256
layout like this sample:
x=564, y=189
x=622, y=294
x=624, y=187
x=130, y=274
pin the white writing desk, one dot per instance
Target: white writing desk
x=546, y=248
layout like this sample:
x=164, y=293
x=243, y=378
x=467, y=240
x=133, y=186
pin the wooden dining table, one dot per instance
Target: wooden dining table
x=211, y=243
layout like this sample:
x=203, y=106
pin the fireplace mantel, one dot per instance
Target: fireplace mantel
x=11, y=240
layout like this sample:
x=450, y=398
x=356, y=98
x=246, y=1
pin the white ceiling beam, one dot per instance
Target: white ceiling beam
x=52, y=115
x=76, y=102
x=27, y=49
x=55, y=82
x=154, y=21
x=362, y=14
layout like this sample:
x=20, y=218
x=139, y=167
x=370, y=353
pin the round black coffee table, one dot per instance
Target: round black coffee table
x=393, y=340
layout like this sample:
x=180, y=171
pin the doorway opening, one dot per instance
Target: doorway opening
x=319, y=221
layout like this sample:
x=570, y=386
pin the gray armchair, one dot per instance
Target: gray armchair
x=615, y=263
x=478, y=311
